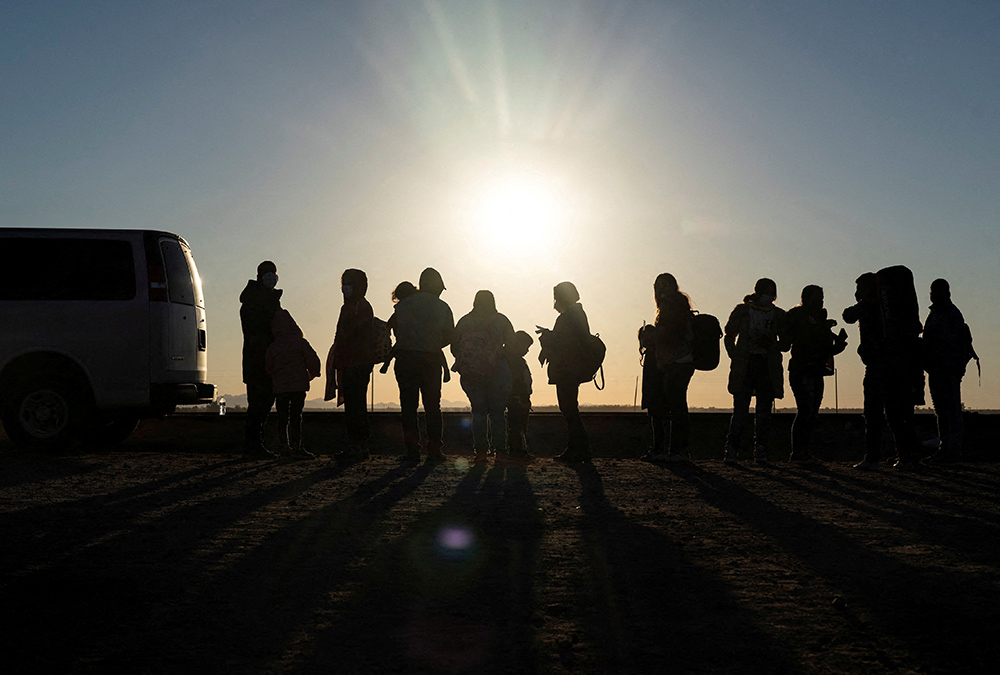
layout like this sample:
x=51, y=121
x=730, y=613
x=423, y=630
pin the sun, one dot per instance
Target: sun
x=520, y=214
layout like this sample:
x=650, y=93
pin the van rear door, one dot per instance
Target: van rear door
x=181, y=343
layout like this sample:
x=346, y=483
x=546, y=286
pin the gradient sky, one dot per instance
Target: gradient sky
x=720, y=141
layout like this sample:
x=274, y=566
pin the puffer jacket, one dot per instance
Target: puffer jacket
x=291, y=361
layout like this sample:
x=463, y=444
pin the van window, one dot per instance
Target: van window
x=179, y=284
x=46, y=268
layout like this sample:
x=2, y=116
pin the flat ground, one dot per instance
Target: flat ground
x=172, y=554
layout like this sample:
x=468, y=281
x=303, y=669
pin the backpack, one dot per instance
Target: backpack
x=478, y=354
x=382, y=341
x=592, y=360
x=706, y=332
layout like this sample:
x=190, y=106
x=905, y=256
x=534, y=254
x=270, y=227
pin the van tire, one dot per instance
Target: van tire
x=45, y=415
x=111, y=430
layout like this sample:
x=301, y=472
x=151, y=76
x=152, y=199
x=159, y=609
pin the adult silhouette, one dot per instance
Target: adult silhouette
x=667, y=371
x=353, y=359
x=754, y=341
x=947, y=351
x=888, y=348
x=258, y=303
x=478, y=347
x=423, y=325
x=813, y=344
x=563, y=348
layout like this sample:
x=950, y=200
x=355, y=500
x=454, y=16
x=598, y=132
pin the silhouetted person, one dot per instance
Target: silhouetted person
x=258, y=303
x=424, y=325
x=754, y=341
x=477, y=346
x=405, y=289
x=667, y=371
x=519, y=401
x=353, y=359
x=292, y=363
x=947, y=350
x=888, y=381
x=563, y=347
x=807, y=328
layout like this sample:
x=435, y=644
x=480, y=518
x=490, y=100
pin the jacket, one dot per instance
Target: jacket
x=291, y=361
x=258, y=304
x=812, y=341
x=947, y=340
x=563, y=346
x=738, y=344
x=354, y=343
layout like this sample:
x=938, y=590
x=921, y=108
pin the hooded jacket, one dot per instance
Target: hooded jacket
x=258, y=304
x=291, y=361
x=947, y=340
x=738, y=339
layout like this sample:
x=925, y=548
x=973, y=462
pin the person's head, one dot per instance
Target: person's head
x=865, y=287
x=765, y=291
x=484, y=303
x=404, y=289
x=353, y=284
x=520, y=343
x=665, y=290
x=565, y=295
x=940, y=291
x=284, y=324
x=812, y=297
x=431, y=281
x=267, y=274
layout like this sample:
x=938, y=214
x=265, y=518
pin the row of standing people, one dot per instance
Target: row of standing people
x=489, y=356
x=757, y=334
x=278, y=365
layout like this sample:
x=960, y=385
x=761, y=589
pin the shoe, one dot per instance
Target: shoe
x=411, y=456
x=651, y=454
x=259, y=452
x=865, y=465
x=681, y=456
x=804, y=460
x=943, y=459
x=760, y=455
x=435, y=455
x=905, y=467
x=661, y=458
x=521, y=458
x=730, y=457
x=480, y=457
x=573, y=457
x=301, y=453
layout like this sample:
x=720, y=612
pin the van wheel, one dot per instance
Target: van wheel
x=111, y=430
x=44, y=416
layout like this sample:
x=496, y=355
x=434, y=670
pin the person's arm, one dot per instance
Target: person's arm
x=732, y=329
x=448, y=327
x=312, y=360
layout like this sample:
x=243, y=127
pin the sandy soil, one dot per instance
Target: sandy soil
x=173, y=556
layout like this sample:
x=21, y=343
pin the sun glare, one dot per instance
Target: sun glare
x=520, y=215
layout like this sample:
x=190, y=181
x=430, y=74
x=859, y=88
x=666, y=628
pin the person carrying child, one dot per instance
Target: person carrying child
x=292, y=363
x=519, y=401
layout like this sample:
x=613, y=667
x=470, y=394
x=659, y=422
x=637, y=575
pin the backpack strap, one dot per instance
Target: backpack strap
x=603, y=383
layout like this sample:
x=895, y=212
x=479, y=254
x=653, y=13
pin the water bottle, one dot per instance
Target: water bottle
x=222, y=406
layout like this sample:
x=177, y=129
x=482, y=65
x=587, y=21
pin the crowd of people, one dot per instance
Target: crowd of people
x=489, y=357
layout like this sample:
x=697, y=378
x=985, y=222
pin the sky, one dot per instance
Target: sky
x=514, y=145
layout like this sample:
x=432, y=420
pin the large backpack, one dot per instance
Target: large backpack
x=478, y=354
x=706, y=332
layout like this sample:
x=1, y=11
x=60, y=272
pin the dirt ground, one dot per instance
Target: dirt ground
x=173, y=554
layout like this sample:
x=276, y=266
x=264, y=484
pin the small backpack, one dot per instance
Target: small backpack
x=592, y=360
x=478, y=354
x=706, y=332
x=381, y=340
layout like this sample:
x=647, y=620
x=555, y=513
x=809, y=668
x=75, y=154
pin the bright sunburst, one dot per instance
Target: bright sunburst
x=520, y=214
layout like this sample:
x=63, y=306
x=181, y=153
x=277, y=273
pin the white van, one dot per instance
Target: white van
x=98, y=328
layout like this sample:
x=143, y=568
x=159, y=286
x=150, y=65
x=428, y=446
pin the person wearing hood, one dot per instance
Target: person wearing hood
x=813, y=344
x=258, y=303
x=423, y=325
x=947, y=351
x=563, y=348
x=292, y=363
x=480, y=338
x=353, y=359
x=754, y=342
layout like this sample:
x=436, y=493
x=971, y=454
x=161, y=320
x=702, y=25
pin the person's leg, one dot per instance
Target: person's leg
x=874, y=414
x=356, y=405
x=296, y=402
x=568, y=397
x=430, y=389
x=808, y=392
x=899, y=414
x=283, y=404
x=738, y=422
x=260, y=398
x=497, y=393
x=408, y=379
x=517, y=422
x=946, y=394
x=479, y=401
x=676, y=378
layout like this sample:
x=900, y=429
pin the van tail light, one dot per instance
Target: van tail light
x=202, y=341
x=157, y=284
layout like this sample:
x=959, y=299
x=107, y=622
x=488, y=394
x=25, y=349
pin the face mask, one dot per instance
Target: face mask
x=270, y=280
x=347, y=290
x=765, y=299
